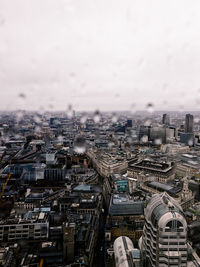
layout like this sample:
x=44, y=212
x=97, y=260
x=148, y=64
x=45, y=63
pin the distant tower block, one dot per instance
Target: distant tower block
x=189, y=123
x=166, y=119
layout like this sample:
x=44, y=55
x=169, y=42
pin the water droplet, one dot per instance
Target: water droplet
x=133, y=108
x=147, y=122
x=140, y=62
x=110, y=144
x=19, y=115
x=150, y=107
x=97, y=116
x=51, y=106
x=80, y=145
x=22, y=95
x=129, y=140
x=144, y=139
x=114, y=118
x=37, y=129
x=60, y=138
x=37, y=119
x=181, y=108
x=158, y=141
x=83, y=118
x=117, y=96
x=196, y=120
x=69, y=112
x=190, y=142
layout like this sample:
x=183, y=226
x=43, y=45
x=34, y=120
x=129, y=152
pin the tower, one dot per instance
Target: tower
x=189, y=123
x=166, y=119
x=165, y=233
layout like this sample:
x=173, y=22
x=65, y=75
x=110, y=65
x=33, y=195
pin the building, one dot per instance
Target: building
x=162, y=171
x=125, y=217
x=33, y=226
x=166, y=119
x=125, y=253
x=164, y=239
x=189, y=123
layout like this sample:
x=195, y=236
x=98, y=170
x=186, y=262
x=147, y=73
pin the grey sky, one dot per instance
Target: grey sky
x=99, y=54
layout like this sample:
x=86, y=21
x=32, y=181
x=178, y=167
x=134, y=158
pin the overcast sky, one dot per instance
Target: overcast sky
x=100, y=54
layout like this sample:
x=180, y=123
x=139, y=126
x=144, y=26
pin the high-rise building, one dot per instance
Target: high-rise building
x=163, y=242
x=129, y=123
x=189, y=123
x=166, y=119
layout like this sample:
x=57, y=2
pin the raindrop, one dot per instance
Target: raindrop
x=140, y=62
x=69, y=112
x=181, y=108
x=60, y=138
x=36, y=119
x=117, y=96
x=22, y=95
x=190, y=142
x=158, y=141
x=97, y=116
x=147, y=123
x=150, y=107
x=114, y=118
x=19, y=115
x=144, y=139
x=37, y=129
x=110, y=144
x=196, y=120
x=129, y=140
x=133, y=108
x=79, y=145
x=51, y=106
x=83, y=118
x=72, y=74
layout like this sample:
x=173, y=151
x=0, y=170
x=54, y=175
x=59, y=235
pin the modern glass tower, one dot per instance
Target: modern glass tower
x=189, y=123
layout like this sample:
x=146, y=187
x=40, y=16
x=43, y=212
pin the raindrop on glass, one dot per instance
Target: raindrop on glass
x=150, y=107
x=22, y=95
x=114, y=118
x=144, y=139
x=158, y=141
x=190, y=142
x=80, y=145
x=83, y=118
x=97, y=116
x=69, y=112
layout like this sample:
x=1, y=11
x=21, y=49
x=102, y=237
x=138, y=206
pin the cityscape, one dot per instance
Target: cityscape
x=99, y=133
x=100, y=189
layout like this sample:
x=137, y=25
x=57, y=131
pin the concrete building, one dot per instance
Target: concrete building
x=33, y=226
x=164, y=240
x=125, y=254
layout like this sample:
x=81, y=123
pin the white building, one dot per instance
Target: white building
x=164, y=240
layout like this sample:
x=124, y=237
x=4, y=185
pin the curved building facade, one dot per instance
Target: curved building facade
x=165, y=232
x=125, y=254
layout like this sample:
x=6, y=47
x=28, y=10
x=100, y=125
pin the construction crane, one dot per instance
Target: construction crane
x=5, y=184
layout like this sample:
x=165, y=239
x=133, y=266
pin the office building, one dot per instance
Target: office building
x=166, y=119
x=164, y=239
x=188, y=123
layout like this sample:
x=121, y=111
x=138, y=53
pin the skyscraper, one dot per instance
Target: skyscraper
x=164, y=235
x=166, y=119
x=189, y=123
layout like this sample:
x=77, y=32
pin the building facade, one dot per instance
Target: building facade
x=165, y=233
